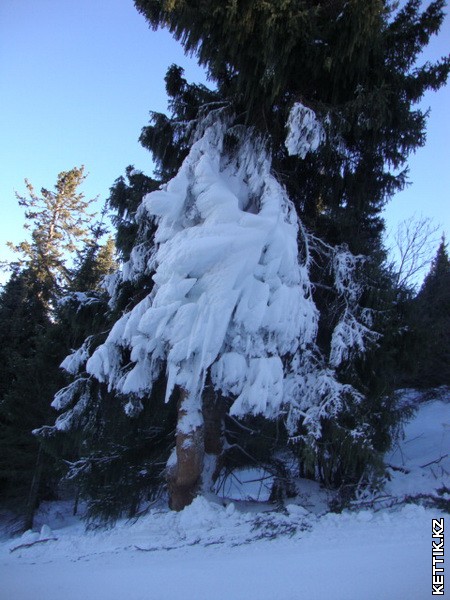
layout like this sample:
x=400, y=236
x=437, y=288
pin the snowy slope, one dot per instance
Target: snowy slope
x=358, y=555
x=421, y=461
x=243, y=551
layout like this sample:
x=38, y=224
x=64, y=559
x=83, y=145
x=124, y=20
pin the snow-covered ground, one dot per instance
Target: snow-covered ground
x=249, y=551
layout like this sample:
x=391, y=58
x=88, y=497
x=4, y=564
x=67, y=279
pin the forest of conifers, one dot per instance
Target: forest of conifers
x=244, y=310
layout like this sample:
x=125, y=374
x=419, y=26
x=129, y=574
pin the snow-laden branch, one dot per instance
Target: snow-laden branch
x=352, y=334
x=316, y=394
x=230, y=294
x=305, y=132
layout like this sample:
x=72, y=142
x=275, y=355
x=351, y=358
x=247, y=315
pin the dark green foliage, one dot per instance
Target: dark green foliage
x=124, y=200
x=94, y=261
x=37, y=331
x=22, y=315
x=352, y=61
x=252, y=441
x=83, y=310
x=114, y=462
x=169, y=139
x=377, y=417
x=355, y=64
x=253, y=47
x=121, y=461
x=24, y=407
x=432, y=320
x=23, y=323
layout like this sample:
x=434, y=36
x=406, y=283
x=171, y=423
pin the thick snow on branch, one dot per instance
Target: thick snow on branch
x=230, y=295
x=349, y=336
x=305, y=132
x=76, y=393
x=73, y=362
x=345, y=265
x=352, y=334
x=315, y=393
x=71, y=418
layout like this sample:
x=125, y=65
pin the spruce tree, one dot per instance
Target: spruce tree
x=345, y=76
x=114, y=463
x=312, y=121
x=58, y=221
x=32, y=341
x=432, y=322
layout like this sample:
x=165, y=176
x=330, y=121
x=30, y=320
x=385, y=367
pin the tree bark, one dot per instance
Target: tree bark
x=34, y=490
x=213, y=419
x=184, y=477
x=213, y=409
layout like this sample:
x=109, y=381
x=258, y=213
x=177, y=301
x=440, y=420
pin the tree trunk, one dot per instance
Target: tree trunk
x=34, y=490
x=184, y=477
x=213, y=409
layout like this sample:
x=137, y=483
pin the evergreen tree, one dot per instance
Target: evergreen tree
x=246, y=308
x=432, y=321
x=343, y=76
x=352, y=63
x=113, y=461
x=33, y=342
x=23, y=318
x=58, y=221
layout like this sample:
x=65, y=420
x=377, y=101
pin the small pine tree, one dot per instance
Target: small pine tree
x=58, y=221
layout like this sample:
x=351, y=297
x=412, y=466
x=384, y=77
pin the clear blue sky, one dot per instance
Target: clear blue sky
x=78, y=79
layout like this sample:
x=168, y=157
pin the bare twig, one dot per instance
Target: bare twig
x=434, y=462
x=412, y=247
x=29, y=544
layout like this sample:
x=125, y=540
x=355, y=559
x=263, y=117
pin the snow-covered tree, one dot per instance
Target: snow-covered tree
x=256, y=267
x=231, y=304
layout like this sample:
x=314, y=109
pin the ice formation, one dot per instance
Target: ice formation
x=230, y=295
x=232, y=299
